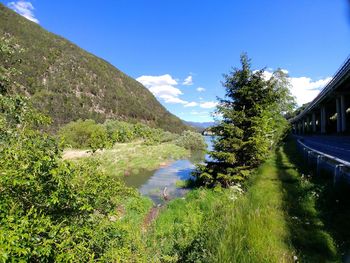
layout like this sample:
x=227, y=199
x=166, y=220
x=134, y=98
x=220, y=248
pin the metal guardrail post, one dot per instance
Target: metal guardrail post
x=318, y=163
x=337, y=171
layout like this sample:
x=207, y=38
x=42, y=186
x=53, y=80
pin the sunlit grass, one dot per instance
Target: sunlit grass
x=276, y=220
x=129, y=158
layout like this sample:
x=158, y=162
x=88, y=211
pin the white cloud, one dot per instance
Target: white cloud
x=304, y=89
x=24, y=8
x=188, y=81
x=200, y=89
x=191, y=104
x=208, y=104
x=163, y=87
x=203, y=113
x=172, y=100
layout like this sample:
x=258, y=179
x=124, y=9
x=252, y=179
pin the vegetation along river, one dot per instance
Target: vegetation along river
x=163, y=181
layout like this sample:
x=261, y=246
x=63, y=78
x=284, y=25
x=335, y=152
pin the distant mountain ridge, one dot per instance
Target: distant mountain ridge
x=69, y=83
x=200, y=126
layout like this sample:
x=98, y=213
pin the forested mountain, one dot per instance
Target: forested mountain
x=69, y=83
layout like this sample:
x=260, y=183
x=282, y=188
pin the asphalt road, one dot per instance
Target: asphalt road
x=337, y=146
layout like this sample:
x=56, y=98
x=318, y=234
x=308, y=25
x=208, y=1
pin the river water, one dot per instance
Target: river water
x=153, y=183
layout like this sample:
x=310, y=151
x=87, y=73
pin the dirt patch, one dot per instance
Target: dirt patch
x=151, y=216
x=74, y=154
x=164, y=164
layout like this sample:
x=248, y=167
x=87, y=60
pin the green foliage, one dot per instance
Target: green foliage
x=53, y=210
x=120, y=131
x=180, y=233
x=84, y=134
x=68, y=83
x=265, y=224
x=191, y=141
x=252, y=124
x=8, y=55
x=98, y=139
x=89, y=134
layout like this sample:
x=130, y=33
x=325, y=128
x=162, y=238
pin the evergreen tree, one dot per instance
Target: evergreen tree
x=252, y=123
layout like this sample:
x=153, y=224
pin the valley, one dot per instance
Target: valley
x=100, y=166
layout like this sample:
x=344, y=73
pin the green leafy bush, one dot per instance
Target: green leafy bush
x=84, y=134
x=53, y=210
x=89, y=134
x=119, y=131
x=191, y=140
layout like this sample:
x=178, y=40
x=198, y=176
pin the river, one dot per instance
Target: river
x=153, y=183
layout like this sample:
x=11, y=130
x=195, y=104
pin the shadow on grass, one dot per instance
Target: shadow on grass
x=332, y=203
x=308, y=232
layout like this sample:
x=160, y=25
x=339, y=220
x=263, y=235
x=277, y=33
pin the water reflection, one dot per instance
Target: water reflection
x=163, y=180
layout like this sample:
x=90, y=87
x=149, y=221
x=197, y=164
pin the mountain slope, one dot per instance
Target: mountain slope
x=69, y=83
x=200, y=126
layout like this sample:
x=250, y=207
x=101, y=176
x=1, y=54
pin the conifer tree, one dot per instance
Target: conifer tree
x=252, y=123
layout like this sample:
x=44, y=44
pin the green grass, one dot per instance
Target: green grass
x=308, y=233
x=131, y=158
x=256, y=228
x=278, y=219
x=180, y=233
x=283, y=215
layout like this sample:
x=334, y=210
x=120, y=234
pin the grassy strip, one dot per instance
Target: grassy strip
x=256, y=227
x=277, y=220
x=130, y=158
x=332, y=207
x=180, y=233
x=308, y=233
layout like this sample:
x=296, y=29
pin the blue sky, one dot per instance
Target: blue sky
x=179, y=49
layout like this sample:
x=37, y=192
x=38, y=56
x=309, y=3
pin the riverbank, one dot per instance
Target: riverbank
x=278, y=219
x=283, y=215
x=126, y=159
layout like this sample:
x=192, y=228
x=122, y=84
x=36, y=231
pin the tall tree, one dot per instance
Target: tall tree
x=252, y=123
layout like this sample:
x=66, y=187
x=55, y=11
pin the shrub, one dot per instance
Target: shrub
x=53, y=210
x=191, y=140
x=119, y=131
x=84, y=134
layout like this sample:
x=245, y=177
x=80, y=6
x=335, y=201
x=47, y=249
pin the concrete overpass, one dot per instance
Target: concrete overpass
x=329, y=112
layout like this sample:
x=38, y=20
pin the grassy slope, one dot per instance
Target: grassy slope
x=277, y=220
x=69, y=83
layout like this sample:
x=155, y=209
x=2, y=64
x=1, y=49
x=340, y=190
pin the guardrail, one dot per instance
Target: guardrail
x=325, y=163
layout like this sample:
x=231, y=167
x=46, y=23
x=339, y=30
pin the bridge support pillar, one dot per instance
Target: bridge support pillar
x=323, y=119
x=337, y=104
x=308, y=128
x=343, y=113
x=314, y=122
